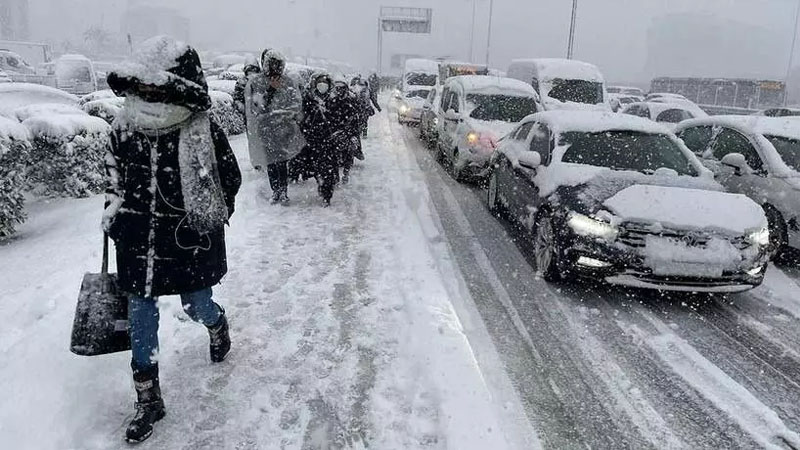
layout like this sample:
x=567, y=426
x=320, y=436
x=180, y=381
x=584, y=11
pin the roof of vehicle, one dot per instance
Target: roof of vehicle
x=788, y=127
x=626, y=88
x=422, y=65
x=659, y=107
x=565, y=121
x=461, y=63
x=551, y=68
x=664, y=94
x=73, y=57
x=488, y=84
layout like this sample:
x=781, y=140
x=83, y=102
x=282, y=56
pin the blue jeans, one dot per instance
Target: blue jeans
x=143, y=320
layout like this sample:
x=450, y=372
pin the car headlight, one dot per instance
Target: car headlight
x=473, y=137
x=759, y=237
x=436, y=121
x=587, y=226
x=404, y=108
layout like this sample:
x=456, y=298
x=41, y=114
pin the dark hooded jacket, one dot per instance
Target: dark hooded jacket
x=157, y=252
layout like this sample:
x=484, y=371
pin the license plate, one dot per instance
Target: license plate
x=687, y=269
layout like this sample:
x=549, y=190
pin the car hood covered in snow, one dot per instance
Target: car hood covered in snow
x=684, y=208
x=497, y=128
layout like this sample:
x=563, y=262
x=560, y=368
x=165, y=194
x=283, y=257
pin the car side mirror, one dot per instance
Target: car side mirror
x=738, y=162
x=530, y=160
x=451, y=114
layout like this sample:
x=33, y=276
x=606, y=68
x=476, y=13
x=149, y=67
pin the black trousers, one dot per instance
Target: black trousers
x=326, y=169
x=278, y=174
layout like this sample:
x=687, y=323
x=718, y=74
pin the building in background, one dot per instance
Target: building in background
x=143, y=21
x=14, y=20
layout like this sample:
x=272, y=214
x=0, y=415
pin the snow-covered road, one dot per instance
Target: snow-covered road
x=404, y=316
x=348, y=323
x=603, y=367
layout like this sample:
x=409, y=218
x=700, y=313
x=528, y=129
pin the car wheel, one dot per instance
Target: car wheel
x=778, y=233
x=548, y=251
x=495, y=206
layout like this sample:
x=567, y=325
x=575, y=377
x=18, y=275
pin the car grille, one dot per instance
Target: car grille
x=635, y=235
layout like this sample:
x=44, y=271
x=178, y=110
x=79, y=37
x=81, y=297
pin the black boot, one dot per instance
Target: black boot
x=149, y=406
x=220, y=339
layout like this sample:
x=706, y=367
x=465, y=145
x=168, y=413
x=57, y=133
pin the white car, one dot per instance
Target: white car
x=619, y=101
x=475, y=113
x=563, y=84
x=625, y=91
x=409, y=109
x=668, y=114
x=782, y=111
x=17, y=95
x=621, y=199
x=665, y=96
x=758, y=157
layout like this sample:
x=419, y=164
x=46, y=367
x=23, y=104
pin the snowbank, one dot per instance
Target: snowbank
x=46, y=109
x=67, y=155
x=228, y=117
x=14, y=157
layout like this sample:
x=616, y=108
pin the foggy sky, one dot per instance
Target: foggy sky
x=611, y=33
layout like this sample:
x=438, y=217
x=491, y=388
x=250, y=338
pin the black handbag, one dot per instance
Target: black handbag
x=101, y=316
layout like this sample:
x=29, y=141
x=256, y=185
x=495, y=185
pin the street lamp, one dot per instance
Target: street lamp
x=791, y=54
x=489, y=34
x=571, y=44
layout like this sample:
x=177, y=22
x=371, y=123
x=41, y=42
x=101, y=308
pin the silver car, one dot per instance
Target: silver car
x=758, y=157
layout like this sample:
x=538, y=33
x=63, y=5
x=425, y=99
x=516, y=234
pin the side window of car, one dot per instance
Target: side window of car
x=445, y=99
x=524, y=130
x=697, y=138
x=673, y=116
x=540, y=142
x=535, y=84
x=454, y=105
x=729, y=141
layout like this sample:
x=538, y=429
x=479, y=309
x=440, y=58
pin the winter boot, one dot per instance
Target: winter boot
x=276, y=198
x=149, y=406
x=220, y=339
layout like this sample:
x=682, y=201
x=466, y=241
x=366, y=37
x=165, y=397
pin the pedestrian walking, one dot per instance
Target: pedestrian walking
x=374, y=89
x=273, y=107
x=172, y=183
x=238, y=92
x=344, y=109
x=318, y=129
x=360, y=88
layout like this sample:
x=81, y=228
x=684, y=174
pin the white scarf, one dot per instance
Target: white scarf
x=203, y=197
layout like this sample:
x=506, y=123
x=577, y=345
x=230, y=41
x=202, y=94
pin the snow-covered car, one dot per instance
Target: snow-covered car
x=758, y=157
x=17, y=95
x=428, y=120
x=667, y=114
x=420, y=73
x=619, y=101
x=621, y=199
x=13, y=64
x=409, y=110
x=779, y=112
x=625, y=91
x=563, y=83
x=665, y=96
x=475, y=113
x=4, y=77
x=97, y=95
x=75, y=74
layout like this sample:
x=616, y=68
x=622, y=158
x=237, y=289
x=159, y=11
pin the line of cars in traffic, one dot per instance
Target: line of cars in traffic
x=658, y=196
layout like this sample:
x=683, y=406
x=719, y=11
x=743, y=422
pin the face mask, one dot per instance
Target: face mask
x=322, y=88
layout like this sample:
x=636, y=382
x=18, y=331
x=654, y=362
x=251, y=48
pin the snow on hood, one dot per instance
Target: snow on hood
x=26, y=112
x=496, y=128
x=684, y=208
x=552, y=104
x=60, y=125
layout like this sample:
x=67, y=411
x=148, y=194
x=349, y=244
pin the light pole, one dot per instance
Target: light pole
x=571, y=44
x=472, y=32
x=791, y=54
x=489, y=34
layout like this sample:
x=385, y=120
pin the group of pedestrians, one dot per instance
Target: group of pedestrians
x=173, y=180
x=318, y=127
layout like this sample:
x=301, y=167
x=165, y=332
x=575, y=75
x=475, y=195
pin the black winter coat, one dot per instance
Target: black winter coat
x=316, y=125
x=345, y=113
x=157, y=253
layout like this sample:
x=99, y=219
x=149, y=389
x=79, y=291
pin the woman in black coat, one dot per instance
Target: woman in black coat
x=173, y=180
x=318, y=129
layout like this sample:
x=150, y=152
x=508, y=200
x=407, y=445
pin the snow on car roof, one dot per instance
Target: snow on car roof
x=483, y=83
x=551, y=68
x=58, y=125
x=35, y=88
x=756, y=125
x=422, y=65
x=595, y=122
x=657, y=108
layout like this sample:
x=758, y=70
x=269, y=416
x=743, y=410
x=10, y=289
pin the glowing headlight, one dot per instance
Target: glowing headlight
x=760, y=237
x=404, y=108
x=473, y=137
x=436, y=121
x=587, y=226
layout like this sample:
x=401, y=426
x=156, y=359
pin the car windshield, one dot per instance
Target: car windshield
x=578, y=91
x=73, y=71
x=506, y=108
x=614, y=90
x=626, y=150
x=421, y=79
x=788, y=149
x=420, y=93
